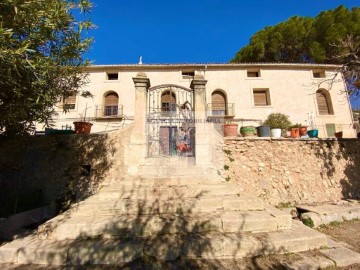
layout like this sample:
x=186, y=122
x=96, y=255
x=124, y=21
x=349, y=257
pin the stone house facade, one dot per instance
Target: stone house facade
x=312, y=95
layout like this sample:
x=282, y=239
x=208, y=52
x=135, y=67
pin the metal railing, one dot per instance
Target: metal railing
x=215, y=110
x=109, y=111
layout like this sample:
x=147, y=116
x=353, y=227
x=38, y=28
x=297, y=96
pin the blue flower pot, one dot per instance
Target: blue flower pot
x=313, y=133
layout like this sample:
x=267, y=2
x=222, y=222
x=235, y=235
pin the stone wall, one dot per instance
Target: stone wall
x=293, y=170
x=57, y=169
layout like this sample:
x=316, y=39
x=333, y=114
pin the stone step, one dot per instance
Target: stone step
x=165, y=205
x=170, y=180
x=172, y=160
x=170, y=171
x=166, y=247
x=165, y=192
x=155, y=224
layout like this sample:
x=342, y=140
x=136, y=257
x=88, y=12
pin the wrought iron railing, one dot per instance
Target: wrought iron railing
x=216, y=110
x=109, y=111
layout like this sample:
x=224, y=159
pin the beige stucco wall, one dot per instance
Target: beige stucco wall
x=291, y=88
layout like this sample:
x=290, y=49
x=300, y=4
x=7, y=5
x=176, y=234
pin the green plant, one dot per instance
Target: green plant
x=277, y=120
x=226, y=167
x=308, y=222
x=43, y=49
x=297, y=125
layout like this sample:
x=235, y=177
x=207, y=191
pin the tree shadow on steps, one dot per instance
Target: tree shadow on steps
x=146, y=227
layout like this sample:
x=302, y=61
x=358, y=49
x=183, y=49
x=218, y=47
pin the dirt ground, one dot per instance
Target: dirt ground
x=347, y=232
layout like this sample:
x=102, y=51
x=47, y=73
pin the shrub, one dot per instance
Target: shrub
x=277, y=120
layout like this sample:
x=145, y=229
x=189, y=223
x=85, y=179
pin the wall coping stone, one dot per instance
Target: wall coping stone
x=286, y=139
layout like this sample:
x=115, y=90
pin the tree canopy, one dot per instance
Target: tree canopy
x=332, y=37
x=42, y=49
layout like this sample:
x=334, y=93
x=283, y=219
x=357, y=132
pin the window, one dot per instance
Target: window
x=253, y=73
x=324, y=102
x=69, y=102
x=218, y=103
x=187, y=74
x=261, y=97
x=112, y=76
x=168, y=104
x=318, y=74
x=111, y=104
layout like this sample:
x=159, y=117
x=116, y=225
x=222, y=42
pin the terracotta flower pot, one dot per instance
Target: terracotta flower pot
x=294, y=133
x=303, y=131
x=230, y=130
x=82, y=127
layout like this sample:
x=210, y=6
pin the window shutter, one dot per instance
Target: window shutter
x=218, y=101
x=260, y=98
x=322, y=103
x=70, y=100
x=111, y=99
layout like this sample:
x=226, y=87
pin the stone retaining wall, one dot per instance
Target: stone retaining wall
x=57, y=169
x=293, y=170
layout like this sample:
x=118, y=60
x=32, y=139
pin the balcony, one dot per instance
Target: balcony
x=219, y=111
x=109, y=112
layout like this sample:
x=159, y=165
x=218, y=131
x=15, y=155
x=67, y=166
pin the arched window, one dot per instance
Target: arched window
x=168, y=103
x=111, y=104
x=323, y=100
x=218, y=103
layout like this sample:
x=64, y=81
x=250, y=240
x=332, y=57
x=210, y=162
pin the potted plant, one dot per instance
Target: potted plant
x=277, y=122
x=303, y=130
x=83, y=126
x=313, y=132
x=247, y=131
x=294, y=130
x=263, y=131
x=338, y=134
x=230, y=129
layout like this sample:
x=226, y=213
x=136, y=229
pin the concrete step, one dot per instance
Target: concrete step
x=211, y=245
x=156, y=224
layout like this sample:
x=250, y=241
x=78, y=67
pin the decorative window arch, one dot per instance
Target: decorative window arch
x=219, y=102
x=111, y=104
x=323, y=100
x=168, y=103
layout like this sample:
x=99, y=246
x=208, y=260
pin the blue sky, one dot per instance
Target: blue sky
x=184, y=31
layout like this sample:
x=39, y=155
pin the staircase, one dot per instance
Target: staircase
x=184, y=214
